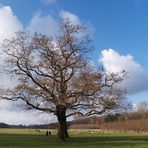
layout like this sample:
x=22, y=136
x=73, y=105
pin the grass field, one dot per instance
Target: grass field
x=24, y=138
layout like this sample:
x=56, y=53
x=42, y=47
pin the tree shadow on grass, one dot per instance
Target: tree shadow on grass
x=82, y=141
x=112, y=141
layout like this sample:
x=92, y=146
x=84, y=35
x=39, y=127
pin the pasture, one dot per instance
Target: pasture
x=25, y=138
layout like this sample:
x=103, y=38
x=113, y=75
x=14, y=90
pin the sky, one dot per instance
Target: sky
x=118, y=28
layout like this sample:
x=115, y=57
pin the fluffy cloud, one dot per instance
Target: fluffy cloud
x=76, y=21
x=9, y=23
x=137, y=77
x=10, y=113
x=43, y=24
x=46, y=24
x=72, y=17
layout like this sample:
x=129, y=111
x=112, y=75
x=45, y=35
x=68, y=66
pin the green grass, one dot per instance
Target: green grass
x=23, y=138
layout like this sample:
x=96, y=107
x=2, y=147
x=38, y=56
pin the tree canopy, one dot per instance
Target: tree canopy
x=55, y=76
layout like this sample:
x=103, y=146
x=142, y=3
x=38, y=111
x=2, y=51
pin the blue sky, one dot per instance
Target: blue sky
x=117, y=24
x=118, y=28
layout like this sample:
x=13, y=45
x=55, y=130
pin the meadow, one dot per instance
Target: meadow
x=25, y=138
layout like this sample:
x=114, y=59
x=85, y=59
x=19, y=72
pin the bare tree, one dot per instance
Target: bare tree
x=55, y=76
x=142, y=109
x=142, y=106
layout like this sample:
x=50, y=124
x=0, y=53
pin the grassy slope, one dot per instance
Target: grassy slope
x=10, y=138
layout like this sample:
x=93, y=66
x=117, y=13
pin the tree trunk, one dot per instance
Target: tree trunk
x=62, y=124
x=66, y=129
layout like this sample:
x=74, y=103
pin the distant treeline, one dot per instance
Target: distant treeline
x=3, y=125
x=136, y=121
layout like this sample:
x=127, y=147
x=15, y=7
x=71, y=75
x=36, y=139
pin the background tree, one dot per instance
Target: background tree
x=55, y=76
x=142, y=109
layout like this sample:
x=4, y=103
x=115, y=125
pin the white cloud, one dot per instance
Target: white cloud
x=47, y=2
x=72, y=17
x=10, y=113
x=46, y=24
x=114, y=62
x=76, y=21
x=43, y=24
x=9, y=23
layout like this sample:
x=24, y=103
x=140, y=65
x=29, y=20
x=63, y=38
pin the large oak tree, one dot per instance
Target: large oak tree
x=55, y=76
